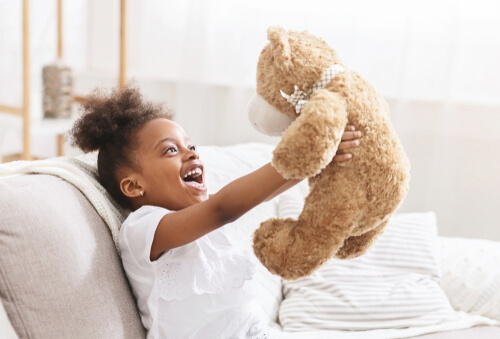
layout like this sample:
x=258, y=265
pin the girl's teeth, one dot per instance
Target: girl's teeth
x=197, y=171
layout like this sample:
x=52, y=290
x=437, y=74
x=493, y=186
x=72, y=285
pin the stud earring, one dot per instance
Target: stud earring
x=141, y=193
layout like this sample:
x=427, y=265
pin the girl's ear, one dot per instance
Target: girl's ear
x=280, y=47
x=130, y=187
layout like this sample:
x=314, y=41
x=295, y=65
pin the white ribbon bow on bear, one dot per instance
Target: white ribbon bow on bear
x=299, y=98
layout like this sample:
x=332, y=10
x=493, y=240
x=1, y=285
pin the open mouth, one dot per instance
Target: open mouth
x=194, y=178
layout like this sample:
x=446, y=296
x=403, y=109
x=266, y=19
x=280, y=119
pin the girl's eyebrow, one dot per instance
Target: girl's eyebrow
x=171, y=139
x=163, y=140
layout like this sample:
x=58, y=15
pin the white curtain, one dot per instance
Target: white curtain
x=436, y=62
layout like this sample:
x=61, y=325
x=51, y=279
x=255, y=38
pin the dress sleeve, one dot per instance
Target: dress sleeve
x=137, y=233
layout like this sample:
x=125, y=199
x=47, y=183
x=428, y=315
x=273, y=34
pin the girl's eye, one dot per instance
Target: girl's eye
x=170, y=150
x=192, y=148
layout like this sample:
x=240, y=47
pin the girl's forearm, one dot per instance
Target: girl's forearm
x=289, y=184
x=242, y=194
x=230, y=203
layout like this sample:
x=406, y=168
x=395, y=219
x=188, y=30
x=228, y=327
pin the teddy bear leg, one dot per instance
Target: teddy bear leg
x=284, y=247
x=355, y=246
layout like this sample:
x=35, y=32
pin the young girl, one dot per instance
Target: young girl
x=188, y=280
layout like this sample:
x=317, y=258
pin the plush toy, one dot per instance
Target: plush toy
x=304, y=92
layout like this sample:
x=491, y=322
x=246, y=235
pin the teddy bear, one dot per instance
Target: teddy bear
x=305, y=94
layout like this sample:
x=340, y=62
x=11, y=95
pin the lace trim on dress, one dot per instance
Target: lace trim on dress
x=181, y=279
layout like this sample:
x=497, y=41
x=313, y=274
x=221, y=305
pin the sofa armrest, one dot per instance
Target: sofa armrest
x=471, y=275
x=6, y=329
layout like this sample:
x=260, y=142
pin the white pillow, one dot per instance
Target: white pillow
x=471, y=275
x=223, y=165
x=394, y=285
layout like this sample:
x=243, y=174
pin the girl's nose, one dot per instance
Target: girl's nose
x=192, y=154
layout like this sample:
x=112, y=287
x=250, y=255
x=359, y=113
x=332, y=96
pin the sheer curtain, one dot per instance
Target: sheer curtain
x=436, y=63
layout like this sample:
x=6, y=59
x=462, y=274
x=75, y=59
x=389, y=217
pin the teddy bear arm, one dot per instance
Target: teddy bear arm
x=311, y=141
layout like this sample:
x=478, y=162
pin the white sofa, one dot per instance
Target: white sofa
x=61, y=277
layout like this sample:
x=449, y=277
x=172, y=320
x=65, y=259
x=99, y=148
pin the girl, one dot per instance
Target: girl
x=189, y=282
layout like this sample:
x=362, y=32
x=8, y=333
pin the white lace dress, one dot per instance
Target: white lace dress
x=200, y=290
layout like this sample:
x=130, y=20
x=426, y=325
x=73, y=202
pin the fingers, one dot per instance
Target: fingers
x=342, y=157
x=350, y=133
x=349, y=140
x=348, y=144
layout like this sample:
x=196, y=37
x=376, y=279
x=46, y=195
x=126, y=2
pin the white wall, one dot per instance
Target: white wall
x=454, y=154
x=434, y=61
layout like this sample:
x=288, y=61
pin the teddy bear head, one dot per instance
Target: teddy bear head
x=290, y=59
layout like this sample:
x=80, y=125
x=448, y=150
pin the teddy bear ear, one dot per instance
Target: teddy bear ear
x=280, y=47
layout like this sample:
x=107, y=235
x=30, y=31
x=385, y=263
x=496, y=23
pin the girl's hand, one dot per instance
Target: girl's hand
x=350, y=139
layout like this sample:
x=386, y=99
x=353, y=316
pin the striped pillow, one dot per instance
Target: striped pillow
x=394, y=285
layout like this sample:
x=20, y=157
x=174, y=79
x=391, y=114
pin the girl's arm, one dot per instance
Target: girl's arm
x=289, y=184
x=231, y=202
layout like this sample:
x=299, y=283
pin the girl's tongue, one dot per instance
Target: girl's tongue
x=196, y=184
x=195, y=179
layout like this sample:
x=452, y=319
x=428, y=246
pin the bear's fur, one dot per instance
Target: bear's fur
x=349, y=202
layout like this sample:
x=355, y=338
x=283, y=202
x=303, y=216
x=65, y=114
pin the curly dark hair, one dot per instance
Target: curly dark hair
x=108, y=123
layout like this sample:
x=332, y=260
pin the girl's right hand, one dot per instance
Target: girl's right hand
x=350, y=139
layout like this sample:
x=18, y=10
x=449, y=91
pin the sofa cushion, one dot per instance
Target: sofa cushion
x=394, y=285
x=60, y=274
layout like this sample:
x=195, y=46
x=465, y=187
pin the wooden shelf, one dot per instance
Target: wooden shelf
x=18, y=118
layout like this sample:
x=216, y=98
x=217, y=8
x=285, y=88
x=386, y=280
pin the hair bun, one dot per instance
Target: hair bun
x=104, y=115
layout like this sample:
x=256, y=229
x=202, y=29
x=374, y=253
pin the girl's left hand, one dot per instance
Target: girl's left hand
x=350, y=139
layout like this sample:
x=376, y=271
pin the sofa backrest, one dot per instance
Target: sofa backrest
x=60, y=274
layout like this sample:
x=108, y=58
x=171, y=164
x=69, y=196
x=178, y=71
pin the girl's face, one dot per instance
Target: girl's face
x=171, y=174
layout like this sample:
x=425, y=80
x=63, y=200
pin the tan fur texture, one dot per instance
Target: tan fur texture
x=349, y=202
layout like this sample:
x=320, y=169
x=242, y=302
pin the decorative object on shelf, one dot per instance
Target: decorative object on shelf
x=57, y=90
